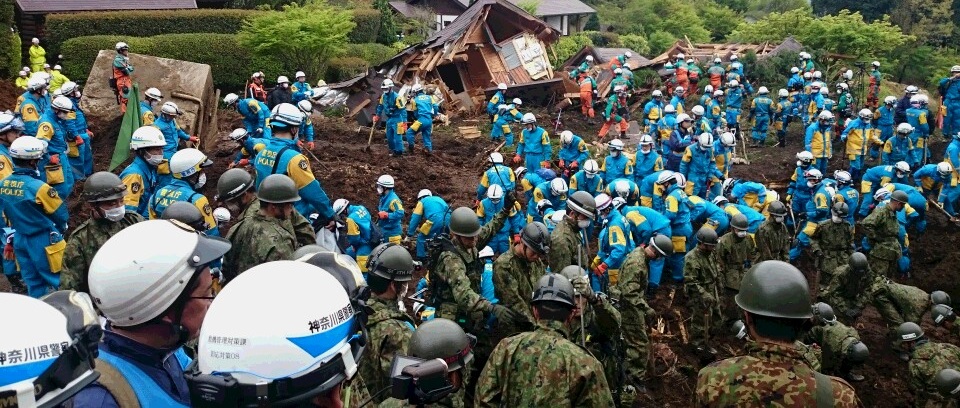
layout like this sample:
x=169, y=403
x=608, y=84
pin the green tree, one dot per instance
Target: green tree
x=302, y=36
x=660, y=41
x=593, y=23
x=758, y=9
x=720, y=20
x=676, y=17
x=931, y=21
x=871, y=10
x=10, y=51
x=530, y=6
x=569, y=45
x=387, y=34
x=636, y=43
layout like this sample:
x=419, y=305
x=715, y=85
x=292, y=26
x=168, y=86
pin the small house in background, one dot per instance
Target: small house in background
x=566, y=16
x=442, y=11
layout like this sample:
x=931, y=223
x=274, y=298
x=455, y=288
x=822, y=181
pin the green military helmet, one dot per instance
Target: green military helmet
x=707, y=236
x=582, y=203
x=663, y=244
x=555, y=288
x=391, y=261
x=186, y=213
x=444, y=339
x=909, y=331
x=858, y=261
x=739, y=222
x=939, y=297
x=233, y=183
x=840, y=209
x=775, y=289
x=739, y=329
x=777, y=208
x=103, y=186
x=278, y=189
x=306, y=250
x=948, y=382
x=942, y=313
x=572, y=272
x=464, y=222
x=823, y=312
x=857, y=352
x=536, y=236
x=900, y=196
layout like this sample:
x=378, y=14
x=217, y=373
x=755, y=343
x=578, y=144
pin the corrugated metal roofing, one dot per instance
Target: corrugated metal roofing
x=55, y=6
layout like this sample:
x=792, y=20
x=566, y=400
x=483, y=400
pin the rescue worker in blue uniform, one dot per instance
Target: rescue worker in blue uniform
x=949, y=89
x=700, y=123
x=430, y=218
x=930, y=179
x=815, y=103
x=140, y=176
x=643, y=223
x=489, y=207
x=625, y=189
x=949, y=194
x=497, y=99
x=652, y=112
x=651, y=193
x=186, y=166
x=667, y=124
x=151, y=97
x=795, y=80
x=389, y=210
x=573, y=153
x=819, y=139
x=647, y=159
x=167, y=123
x=714, y=112
x=859, y=135
x=300, y=90
x=33, y=106
x=359, y=225
x=506, y=114
x=55, y=168
x=684, y=135
x=587, y=179
x=782, y=116
x=247, y=146
x=916, y=205
x=761, y=109
x=527, y=181
x=254, y=112
x=614, y=244
x=749, y=193
x=306, y=135
x=426, y=110
x=917, y=117
x=39, y=216
x=11, y=127
x=534, y=144
x=677, y=99
x=391, y=109
x=722, y=155
x=281, y=156
x=797, y=191
x=496, y=174
x=847, y=193
x=884, y=118
x=899, y=148
x=817, y=209
x=677, y=209
x=734, y=98
x=952, y=154
x=79, y=151
x=699, y=166
x=707, y=214
x=616, y=164
x=877, y=177
x=554, y=191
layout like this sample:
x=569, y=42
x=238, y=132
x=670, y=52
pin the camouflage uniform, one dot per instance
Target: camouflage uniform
x=733, y=257
x=354, y=392
x=899, y=303
x=83, y=245
x=831, y=244
x=769, y=375
x=542, y=369
x=773, y=241
x=389, y=331
x=515, y=280
x=701, y=283
x=927, y=360
x=882, y=230
x=298, y=224
x=846, y=294
x=629, y=293
x=834, y=339
x=602, y=322
x=257, y=239
x=811, y=354
x=564, y=244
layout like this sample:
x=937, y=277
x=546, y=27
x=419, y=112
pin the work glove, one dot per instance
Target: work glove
x=259, y=130
x=376, y=118
x=243, y=163
x=90, y=134
x=383, y=215
x=563, y=164
x=55, y=159
x=8, y=248
x=299, y=144
x=509, y=201
x=545, y=164
x=601, y=269
x=581, y=284
x=574, y=165
x=78, y=141
x=310, y=145
x=503, y=314
x=516, y=238
x=516, y=159
x=194, y=139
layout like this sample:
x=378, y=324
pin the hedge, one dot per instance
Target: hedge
x=231, y=63
x=344, y=68
x=62, y=27
x=368, y=26
x=10, y=51
x=373, y=53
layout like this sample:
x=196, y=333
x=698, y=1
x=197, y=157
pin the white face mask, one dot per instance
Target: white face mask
x=811, y=184
x=115, y=214
x=583, y=224
x=741, y=234
x=154, y=159
x=615, y=153
x=286, y=85
x=201, y=181
x=590, y=176
x=836, y=219
x=379, y=190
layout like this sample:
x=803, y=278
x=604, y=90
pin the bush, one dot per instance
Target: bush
x=344, y=68
x=603, y=39
x=230, y=62
x=660, y=41
x=368, y=26
x=373, y=53
x=569, y=45
x=10, y=51
x=62, y=27
x=635, y=42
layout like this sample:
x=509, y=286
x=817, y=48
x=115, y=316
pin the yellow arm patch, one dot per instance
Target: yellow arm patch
x=537, y=195
x=298, y=169
x=45, y=131
x=396, y=205
x=148, y=118
x=163, y=168
x=480, y=210
x=134, y=184
x=29, y=112
x=673, y=205
x=352, y=228
x=418, y=210
x=254, y=106
x=6, y=167
x=48, y=199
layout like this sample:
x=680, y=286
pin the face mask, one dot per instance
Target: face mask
x=615, y=153
x=590, y=176
x=115, y=214
x=62, y=115
x=811, y=184
x=379, y=190
x=201, y=181
x=154, y=160
x=583, y=224
x=836, y=219
x=778, y=218
x=741, y=234
x=285, y=86
x=495, y=202
x=646, y=149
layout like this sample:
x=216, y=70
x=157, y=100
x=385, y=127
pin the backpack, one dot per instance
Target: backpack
x=376, y=234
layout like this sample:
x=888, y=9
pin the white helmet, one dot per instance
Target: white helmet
x=915, y=99
x=902, y=167
x=386, y=181
x=566, y=137
x=284, y=115
x=955, y=68
x=720, y=201
x=230, y=99
x=656, y=93
x=805, y=157
x=905, y=128
x=912, y=89
x=495, y=158
x=678, y=90
x=615, y=144
x=817, y=74
x=187, y=162
x=528, y=118
x=170, y=108
x=718, y=93
x=221, y=214
x=890, y=100
x=843, y=177
x=815, y=85
x=923, y=98
x=62, y=103
x=542, y=206
x=876, y=64
x=843, y=86
x=665, y=177
x=865, y=114
x=813, y=174
x=340, y=205
x=416, y=88
x=283, y=80
x=517, y=101
x=502, y=86
x=299, y=75
x=133, y=284
x=424, y=193
x=591, y=167
x=669, y=109
x=690, y=61
x=27, y=147
x=881, y=195
x=681, y=56
x=763, y=90
x=734, y=57
x=825, y=91
x=154, y=93
x=603, y=201
x=783, y=93
x=618, y=202
x=387, y=83
x=589, y=58
x=519, y=171
x=705, y=140
x=804, y=55
x=238, y=133
x=727, y=139
x=794, y=70
x=495, y=192
x=628, y=54
x=9, y=121
x=306, y=106
x=303, y=340
x=717, y=60
x=558, y=186
x=683, y=117
x=646, y=140
x=121, y=46
x=618, y=71
x=626, y=66
x=621, y=188
x=944, y=168
x=58, y=352
x=727, y=184
x=697, y=110
x=825, y=115
x=733, y=83
x=708, y=89
x=680, y=178
x=23, y=73
x=147, y=136
x=807, y=75
x=486, y=252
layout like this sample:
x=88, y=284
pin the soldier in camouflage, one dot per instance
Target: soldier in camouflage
x=926, y=360
x=773, y=238
x=882, y=230
x=236, y=193
x=389, y=269
x=898, y=303
x=775, y=300
x=516, y=272
x=735, y=253
x=849, y=289
x=701, y=283
x=568, y=241
x=948, y=384
x=629, y=294
x=841, y=346
x=543, y=368
x=104, y=191
x=264, y=236
x=832, y=243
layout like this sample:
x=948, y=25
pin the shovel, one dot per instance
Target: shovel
x=370, y=138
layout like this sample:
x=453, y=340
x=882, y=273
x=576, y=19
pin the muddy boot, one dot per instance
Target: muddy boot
x=852, y=376
x=16, y=283
x=651, y=292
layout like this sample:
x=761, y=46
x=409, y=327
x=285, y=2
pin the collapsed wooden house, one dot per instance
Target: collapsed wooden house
x=704, y=53
x=603, y=75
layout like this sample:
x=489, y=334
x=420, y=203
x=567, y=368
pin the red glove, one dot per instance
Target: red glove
x=243, y=163
x=574, y=165
x=516, y=238
x=90, y=134
x=78, y=141
x=601, y=269
x=194, y=139
x=310, y=145
x=476, y=203
x=300, y=143
x=383, y=215
x=562, y=164
x=516, y=158
x=8, y=251
x=55, y=159
x=545, y=164
x=376, y=118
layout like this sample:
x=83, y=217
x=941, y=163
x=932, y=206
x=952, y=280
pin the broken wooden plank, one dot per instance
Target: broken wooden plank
x=469, y=132
x=358, y=108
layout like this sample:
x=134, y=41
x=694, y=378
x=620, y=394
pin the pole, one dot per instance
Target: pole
x=583, y=329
